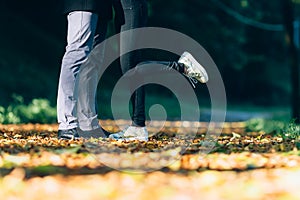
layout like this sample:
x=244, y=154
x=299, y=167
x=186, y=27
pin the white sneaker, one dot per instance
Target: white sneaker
x=131, y=133
x=193, y=69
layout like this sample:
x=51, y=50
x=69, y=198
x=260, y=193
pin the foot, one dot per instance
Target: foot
x=131, y=133
x=97, y=133
x=193, y=69
x=69, y=134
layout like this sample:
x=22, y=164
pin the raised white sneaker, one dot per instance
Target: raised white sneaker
x=193, y=69
x=131, y=133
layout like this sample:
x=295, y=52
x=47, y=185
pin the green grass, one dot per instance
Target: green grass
x=287, y=130
x=37, y=111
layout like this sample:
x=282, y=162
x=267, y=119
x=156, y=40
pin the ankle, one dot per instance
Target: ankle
x=180, y=67
x=138, y=125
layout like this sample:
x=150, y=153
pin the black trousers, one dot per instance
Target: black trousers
x=136, y=13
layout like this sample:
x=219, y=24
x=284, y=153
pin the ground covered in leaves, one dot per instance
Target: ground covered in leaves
x=34, y=164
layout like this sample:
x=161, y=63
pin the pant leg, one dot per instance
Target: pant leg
x=87, y=83
x=135, y=12
x=166, y=66
x=80, y=34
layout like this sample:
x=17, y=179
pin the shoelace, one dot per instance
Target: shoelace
x=169, y=67
x=192, y=80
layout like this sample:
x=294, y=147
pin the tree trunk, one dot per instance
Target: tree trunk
x=288, y=12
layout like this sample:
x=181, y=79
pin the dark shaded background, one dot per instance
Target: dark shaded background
x=254, y=62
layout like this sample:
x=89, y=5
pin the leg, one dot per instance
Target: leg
x=87, y=82
x=135, y=16
x=186, y=65
x=135, y=12
x=81, y=30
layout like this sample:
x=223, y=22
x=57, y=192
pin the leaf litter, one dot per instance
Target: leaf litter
x=35, y=164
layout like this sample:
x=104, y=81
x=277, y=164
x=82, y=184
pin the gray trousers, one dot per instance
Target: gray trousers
x=82, y=28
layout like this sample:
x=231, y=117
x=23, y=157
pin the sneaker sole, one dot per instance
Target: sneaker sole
x=136, y=138
x=131, y=139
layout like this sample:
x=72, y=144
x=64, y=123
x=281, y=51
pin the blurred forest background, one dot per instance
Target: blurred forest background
x=246, y=39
